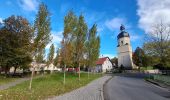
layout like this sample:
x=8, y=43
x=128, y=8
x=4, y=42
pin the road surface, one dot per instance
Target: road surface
x=132, y=88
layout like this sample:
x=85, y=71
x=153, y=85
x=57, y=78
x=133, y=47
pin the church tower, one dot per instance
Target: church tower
x=124, y=49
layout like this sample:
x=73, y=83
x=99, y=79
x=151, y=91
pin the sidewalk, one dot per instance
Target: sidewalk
x=92, y=91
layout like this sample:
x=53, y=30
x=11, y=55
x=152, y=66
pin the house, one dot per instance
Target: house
x=37, y=66
x=41, y=66
x=103, y=64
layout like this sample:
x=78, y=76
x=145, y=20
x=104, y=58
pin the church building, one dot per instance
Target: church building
x=124, y=49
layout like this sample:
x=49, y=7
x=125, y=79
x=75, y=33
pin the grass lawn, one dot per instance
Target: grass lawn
x=147, y=68
x=162, y=78
x=46, y=86
x=4, y=80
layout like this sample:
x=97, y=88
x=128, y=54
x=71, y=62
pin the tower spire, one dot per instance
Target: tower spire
x=122, y=28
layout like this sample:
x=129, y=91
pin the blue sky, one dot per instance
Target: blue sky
x=136, y=15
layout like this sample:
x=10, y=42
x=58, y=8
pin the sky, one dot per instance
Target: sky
x=137, y=16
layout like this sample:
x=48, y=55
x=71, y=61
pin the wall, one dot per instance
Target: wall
x=107, y=65
x=125, y=53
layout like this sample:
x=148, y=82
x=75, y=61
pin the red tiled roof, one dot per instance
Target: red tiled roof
x=100, y=61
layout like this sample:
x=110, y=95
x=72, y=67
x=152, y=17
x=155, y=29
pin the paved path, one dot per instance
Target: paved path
x=18, y=81
x=132, y=88
x=93, y=91
x=8, y=85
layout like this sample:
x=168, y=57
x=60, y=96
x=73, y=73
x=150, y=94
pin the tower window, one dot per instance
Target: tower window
x=122, y=42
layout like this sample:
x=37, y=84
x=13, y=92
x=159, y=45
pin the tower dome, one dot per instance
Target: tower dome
x=122, y=33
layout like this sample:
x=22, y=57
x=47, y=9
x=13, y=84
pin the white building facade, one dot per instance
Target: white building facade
x=103, y=65
x=124, y=49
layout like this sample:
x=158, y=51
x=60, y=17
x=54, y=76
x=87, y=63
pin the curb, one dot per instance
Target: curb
x=102, y=93
x=158, y=84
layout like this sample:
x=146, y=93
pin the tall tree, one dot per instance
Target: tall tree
x=79, y=41
x=158, y=42
x=139, y=58
x=40, y=56
x=92, y=46
x=42, y=32
x=70, y=22
x=57, y=59
x=51, y=54
x=15, y=40
x=74, y=44
x=115, y=61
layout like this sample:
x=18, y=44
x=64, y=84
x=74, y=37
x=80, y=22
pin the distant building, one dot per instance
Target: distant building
x=43, y=67
x=37, y=66
x=103, y=64
x=59, y=58
x=124, y=49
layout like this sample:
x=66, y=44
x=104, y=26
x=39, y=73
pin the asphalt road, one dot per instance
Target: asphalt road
x=124, y=87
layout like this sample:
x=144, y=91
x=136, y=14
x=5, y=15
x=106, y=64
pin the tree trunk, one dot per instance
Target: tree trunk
x=88, y=72
x=79, y=71
x=6, y=71
x=64, y=81
x=32, y=74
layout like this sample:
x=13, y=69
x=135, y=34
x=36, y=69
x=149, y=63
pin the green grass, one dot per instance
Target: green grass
x=147, y=68
x=4, y=80
x=162, y=78
x=47, y=86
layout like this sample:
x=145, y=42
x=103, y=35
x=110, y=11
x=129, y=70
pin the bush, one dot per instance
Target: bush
x=48, y=71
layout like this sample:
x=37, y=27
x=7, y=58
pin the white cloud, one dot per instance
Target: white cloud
x=135, y=37
x=1, y=21
x=57, y=36
x=100, y=29
x=114, y=23
x=29, y=5
x=56, y=39
x=153, y=11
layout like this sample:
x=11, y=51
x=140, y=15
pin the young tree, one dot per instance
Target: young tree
x=42, y=32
